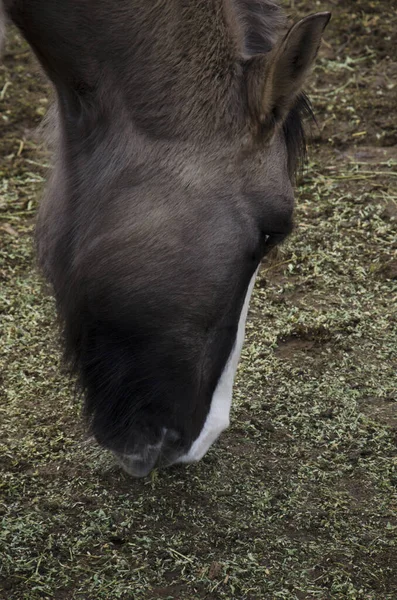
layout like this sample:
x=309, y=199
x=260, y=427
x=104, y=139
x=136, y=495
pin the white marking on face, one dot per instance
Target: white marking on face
x=218, y=417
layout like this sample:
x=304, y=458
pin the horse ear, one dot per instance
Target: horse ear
x=275, y=79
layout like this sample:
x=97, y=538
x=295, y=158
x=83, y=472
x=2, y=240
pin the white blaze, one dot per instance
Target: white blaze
x=218, y=417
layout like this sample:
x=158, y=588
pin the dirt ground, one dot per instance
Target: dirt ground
x=298, y=499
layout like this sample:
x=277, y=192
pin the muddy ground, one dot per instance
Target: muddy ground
x=298, y=499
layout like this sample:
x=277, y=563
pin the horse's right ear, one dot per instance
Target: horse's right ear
x=275, y=79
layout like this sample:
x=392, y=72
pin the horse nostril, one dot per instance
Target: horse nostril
x=171, y=436
x=142, y=461
x=137, y=465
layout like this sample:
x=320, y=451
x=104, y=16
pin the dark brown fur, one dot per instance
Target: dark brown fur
x=175, y=154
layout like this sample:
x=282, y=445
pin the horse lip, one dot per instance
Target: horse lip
x=135, y=465
x=141, y=464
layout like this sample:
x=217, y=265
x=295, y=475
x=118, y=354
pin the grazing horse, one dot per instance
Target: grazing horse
x=178, y=129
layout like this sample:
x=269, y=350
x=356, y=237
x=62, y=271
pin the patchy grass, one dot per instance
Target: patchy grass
x=298, y=499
